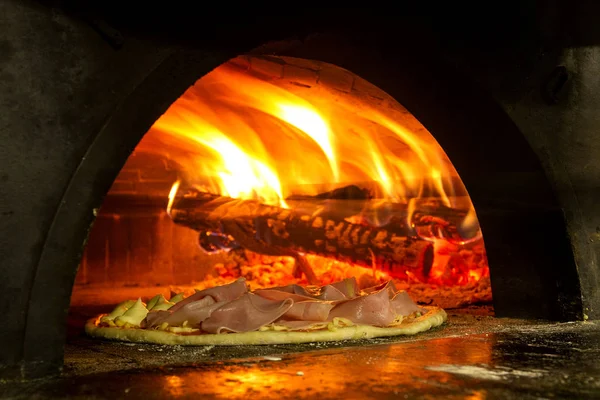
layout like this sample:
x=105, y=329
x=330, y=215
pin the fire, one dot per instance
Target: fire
x=238, y=135
x=309, y=121
x=172, y=194
x=252, y=139
x=242, y=175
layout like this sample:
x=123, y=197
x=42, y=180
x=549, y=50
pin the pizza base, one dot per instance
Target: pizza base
x=434, y=317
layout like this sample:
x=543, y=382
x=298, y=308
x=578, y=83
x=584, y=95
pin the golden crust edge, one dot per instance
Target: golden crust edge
x=433, y=318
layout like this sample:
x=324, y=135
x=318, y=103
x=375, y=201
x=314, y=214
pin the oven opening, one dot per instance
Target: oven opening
x=285, y=171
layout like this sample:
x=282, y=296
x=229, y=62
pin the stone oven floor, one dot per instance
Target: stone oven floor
x=473, y=356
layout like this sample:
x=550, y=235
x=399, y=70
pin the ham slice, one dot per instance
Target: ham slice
x=178, y=317
x=194, y=313
x=373, y=309
x=231, y=308
x=348, y=287
x=303, y=308
x=342, y=290
x=247, y=313
x=311, y=310
x=221, y=293
x=293, y=289
x=155, y=318
x=279, y=295
x=331, y=293
x=389, y=284
x=403, y=305
x=400, y=301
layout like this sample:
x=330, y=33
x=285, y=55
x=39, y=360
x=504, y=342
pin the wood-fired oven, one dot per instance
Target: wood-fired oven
x=499, y=118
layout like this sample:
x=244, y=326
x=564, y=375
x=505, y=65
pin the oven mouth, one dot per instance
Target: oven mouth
x=180, y=218
x=283, y=171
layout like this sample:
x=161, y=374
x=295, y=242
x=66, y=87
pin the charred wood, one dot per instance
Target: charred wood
x=274, y=230
x=350, y=192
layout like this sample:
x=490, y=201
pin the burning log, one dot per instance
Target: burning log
x=279, y=231
x=426, y=217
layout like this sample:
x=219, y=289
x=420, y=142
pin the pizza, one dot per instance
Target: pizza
x=232, y=315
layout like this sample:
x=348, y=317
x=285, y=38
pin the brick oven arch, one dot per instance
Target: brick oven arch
x=532, y=269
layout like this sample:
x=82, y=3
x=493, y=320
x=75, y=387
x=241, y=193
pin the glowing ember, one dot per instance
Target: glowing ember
x=266, y=271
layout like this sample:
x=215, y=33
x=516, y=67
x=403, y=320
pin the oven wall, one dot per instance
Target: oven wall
x=548, y=84
x=133, y=241
x=60, y=82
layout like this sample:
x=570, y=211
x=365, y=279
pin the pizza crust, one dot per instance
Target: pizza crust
x=434, y=317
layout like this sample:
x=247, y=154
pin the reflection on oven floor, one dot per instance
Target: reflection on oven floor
x=475, y=356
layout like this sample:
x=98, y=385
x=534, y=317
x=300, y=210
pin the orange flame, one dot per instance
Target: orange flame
x=238, y=135
x=249, y=138
x=172, y=194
